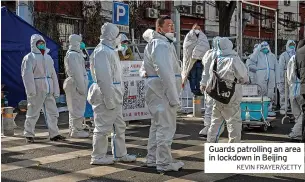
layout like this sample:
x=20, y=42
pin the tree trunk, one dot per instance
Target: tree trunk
x=224, y=26
x=226, y=11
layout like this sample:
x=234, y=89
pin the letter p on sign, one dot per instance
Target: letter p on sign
x=120, y=14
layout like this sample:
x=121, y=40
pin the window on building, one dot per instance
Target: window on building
x=216, y=14
x=287, y=2
x=139, y=3
x=159, y=5
x=265, y=21
x=288, y=18
x=65, y=30
x=251, y=20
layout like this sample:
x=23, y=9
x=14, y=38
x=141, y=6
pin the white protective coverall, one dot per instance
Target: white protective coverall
x=229, y=67
x=252, y=74
x=106, y=98
x=296, y=100
x=208, y=58
x=194, y=49
x=163, y=86
x=267, y=72
x=41, y=86
x=284, y=59
x=75, y=87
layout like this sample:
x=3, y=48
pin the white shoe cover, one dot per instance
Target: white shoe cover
x=204, y=131
x=293, y=135
x=79, y=134
x=126, y=158
x=102, y=161
x=175, y=166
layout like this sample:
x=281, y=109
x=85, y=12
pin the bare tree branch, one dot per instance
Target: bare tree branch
x=217, y=4
x=226, y=11
x=232, y=7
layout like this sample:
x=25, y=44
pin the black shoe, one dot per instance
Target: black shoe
x=29, y=139
x=58, y=138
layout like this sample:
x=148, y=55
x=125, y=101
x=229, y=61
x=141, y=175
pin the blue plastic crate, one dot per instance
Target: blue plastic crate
x=254, y=103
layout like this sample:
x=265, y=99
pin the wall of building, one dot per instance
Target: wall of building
x=68, y=8
x=284, y=32
x=186, y=20
x=259, y=29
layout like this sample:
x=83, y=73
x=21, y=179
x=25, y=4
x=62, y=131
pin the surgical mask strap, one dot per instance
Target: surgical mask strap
x=162, y=33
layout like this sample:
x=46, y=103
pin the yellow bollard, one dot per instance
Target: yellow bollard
x=197, y=106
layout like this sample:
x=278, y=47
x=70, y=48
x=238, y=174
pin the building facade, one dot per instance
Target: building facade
x=289, y=11
x=149, y=11
x=262, y=27
x=302, y=19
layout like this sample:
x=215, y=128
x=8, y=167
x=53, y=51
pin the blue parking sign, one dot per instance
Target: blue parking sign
x=120, y=14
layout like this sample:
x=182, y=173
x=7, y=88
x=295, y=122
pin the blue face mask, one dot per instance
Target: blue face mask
x=82, y=45
x=41, y=46
x=265, y=51
x=292, y=47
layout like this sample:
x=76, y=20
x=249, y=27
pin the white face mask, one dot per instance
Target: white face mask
x=197, y=31
x=170, y=36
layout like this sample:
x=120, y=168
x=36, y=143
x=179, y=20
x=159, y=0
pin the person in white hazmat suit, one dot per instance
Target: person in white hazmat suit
x=41, y=87
x=161, y=65
x=265, y=65
x=207, y=59
x=75, y=86
x=106, y=97
x=195, y=45
x=296, y=100
x=252, y=73
x=284, y=59
x=229, y=67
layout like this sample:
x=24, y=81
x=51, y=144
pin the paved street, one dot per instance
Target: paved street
x=69, y=160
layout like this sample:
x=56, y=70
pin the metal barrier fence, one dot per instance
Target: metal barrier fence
x=187, y=99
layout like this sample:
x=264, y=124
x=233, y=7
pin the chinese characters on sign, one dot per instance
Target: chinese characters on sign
x=134, y=106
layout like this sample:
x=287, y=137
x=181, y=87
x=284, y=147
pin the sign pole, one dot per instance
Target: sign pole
x=177, y=30
x=132, y=40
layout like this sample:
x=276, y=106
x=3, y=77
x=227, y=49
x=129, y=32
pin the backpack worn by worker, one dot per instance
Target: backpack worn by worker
x=220, y=89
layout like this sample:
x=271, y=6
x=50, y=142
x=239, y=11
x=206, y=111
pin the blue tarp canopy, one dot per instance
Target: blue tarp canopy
x=15, y=44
